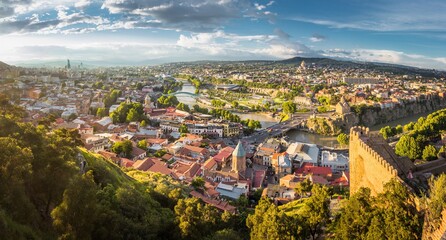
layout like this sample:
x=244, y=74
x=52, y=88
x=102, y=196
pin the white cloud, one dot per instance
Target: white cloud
x=259, y=6
x=317, y=38
x=384, y=15
x=83, y=3
x=387, y=56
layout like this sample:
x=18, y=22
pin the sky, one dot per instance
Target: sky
x=127, y=32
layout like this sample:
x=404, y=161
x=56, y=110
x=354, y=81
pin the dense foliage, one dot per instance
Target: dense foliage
x=390, y=215
x=128, y=112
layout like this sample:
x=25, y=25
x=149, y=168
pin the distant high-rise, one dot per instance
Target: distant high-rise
x=68, y=64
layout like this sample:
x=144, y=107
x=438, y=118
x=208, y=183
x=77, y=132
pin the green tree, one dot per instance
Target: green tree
x=429, y=153
x=132, y=115
x=198, y=183
x=234, y=104
x=143, y=123
x=143, y=144
x=303, y=187
x=124, y=148
x=74, y=218
x=101, y=112
x=409, y=127
x=183, y=107
x=397, y=207
x=399, y=129
x=354, y=218
x=407, y=146
x=267, y=222
x=225, y=234
x=316, y=210
x=343, y=139
x=289, y=107
x=387, y=132
x=196, y=219
x=436, y=202
x=183, y=129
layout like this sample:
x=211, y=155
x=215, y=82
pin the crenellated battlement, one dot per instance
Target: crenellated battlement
x=372, y=161
x=359, y=131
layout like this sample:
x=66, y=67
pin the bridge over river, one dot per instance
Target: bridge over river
x=275, y=130
x=182, y=93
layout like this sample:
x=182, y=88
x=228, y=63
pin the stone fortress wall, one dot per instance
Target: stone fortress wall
x=373, y=163
x=368, y=168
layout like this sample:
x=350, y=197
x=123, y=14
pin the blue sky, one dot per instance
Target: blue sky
x=405, y=32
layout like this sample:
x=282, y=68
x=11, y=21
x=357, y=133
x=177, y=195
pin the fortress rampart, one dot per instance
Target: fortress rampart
x=373, y=162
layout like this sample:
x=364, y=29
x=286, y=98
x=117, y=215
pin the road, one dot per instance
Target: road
x=273, y=131
x=281, y=128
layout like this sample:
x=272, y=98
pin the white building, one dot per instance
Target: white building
x=337, y=162
x=232, y=191
x=303, y=152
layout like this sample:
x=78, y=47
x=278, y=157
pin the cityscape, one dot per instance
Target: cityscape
x=222, y=120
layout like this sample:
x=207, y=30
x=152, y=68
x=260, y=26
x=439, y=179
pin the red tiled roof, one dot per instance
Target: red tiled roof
x=225, y=153
x=310, y=169
x=259, y=176
x=136, y=151
x=126, y=162
x=167, y=157
x=319, y=180
x=321, y=170
x=155, y=140
x=209, y=164
x=222, y=205
x=144, y=164
x=200, y=150
x=159, y=167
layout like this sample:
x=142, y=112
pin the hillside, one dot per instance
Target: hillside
x=45, y=194
x=7, y=71
x=384, y=67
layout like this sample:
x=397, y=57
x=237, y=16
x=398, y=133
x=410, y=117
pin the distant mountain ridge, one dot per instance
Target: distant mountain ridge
x=319, y=61
x=395, y=68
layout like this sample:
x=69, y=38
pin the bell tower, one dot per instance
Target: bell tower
x=239, y=159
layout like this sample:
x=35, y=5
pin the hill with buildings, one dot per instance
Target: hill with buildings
x=377, y=66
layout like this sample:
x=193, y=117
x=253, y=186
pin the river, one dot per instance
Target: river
x=306, y=137
x=295, y=135
x=331, y=141
x=402, y=121
x=186, y=99
x=264, y=119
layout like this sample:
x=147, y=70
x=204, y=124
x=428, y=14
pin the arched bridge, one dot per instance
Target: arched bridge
x=182, y=93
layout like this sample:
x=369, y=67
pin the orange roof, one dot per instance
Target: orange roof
x=155, y=140
x=144, y=164
x=196, y=149
x=126, y=162
x=159, y=167
x=223, y=154
x=209, y=164
x=167, y=157
x=222, y=205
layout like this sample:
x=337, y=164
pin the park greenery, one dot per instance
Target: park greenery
x=128, y=112
x=183, y=107
x=111, y=97
x=167, y=101
x=123, y=148
x=417, y=136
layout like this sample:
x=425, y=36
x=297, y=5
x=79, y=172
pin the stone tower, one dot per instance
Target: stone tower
x=239, y=159
x=147, y=102
x=342, y=107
